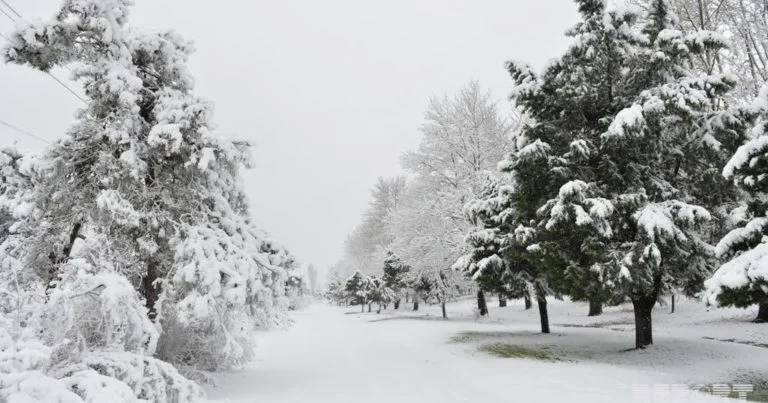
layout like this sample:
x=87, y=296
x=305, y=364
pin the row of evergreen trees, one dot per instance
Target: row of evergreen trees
x=361, y=289
x=127, y=252
x=616, y=188
x=634, y=174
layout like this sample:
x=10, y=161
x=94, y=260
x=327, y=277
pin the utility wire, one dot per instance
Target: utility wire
x=11, y=8
x=7, y=15
x=24, y=132
x=61, y=83
x=67, y=88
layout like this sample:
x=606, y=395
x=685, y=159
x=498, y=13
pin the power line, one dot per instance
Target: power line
x=7, y=15
x=67, y=88
x=22, y=131
x=61, y=83
x=11, y=8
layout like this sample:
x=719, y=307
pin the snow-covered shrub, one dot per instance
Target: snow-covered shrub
x=146, y=378
x=212, y=342
x=227, y=281
x=23, y=363
x=96, y=310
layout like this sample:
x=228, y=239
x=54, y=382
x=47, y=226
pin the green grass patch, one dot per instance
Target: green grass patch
x=759, y=395
x=504, y=350
x=472, y=337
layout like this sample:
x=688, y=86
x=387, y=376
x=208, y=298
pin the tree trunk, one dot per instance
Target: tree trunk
x=762, y=312
x=397, y=304
x=502, y=300
x=543, y=315
x=673, y=304
x=362, y=306
x=643, y=322
x=369, y=307
x=151, y=289
x=415, y=304
x=407, y=298
x=528, y=303
x=482, y=307
x=379, y=310
x=57, y=261
x=595, y=307
x=445, y=315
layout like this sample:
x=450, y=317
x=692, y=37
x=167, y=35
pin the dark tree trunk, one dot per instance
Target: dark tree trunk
x=502, y=300
x=445, y=315
x=151, y=289
x=595, y=307
x=379, y=310
x=415, y=304
x=543, y=315
x=482, y=307
x=643, y=321
x=397, y=304
x=762, y=313
x=528, y=303
x=369, y=307
x=58, y=260
x=643, y=307
x=673, y=304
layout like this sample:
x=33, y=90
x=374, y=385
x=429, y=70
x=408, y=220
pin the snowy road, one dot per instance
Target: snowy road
x=330, y=356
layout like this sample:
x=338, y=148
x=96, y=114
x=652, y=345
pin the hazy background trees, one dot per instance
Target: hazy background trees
x=421, y=219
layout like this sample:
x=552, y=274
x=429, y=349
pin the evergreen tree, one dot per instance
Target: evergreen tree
x=742, y=281
x=395, y=277
x=137, y=215
x=568, y=107
x=498, y=260
x=665, y=152
x=628, y=141
x=380, y=294
x=335, y=290
x=358, y=288
x=483, y=262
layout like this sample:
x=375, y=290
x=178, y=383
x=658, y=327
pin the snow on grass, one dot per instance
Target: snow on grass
x=330, y=356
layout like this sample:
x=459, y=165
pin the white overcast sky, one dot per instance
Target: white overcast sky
x=330, y=92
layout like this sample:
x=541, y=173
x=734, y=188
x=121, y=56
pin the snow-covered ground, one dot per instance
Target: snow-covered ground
x=336, y=354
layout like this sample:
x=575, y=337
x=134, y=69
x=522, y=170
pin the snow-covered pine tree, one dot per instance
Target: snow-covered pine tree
x=335, y=289
x=91, y=340
x=742, y=280
x=627, y=142
x=380, y=294
x=497, y=260
x=358, y=289
x=140, y=188
x=483, y=262
x=665, y=153
x=569, y=105
x=395, y=277
x=15, y=186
